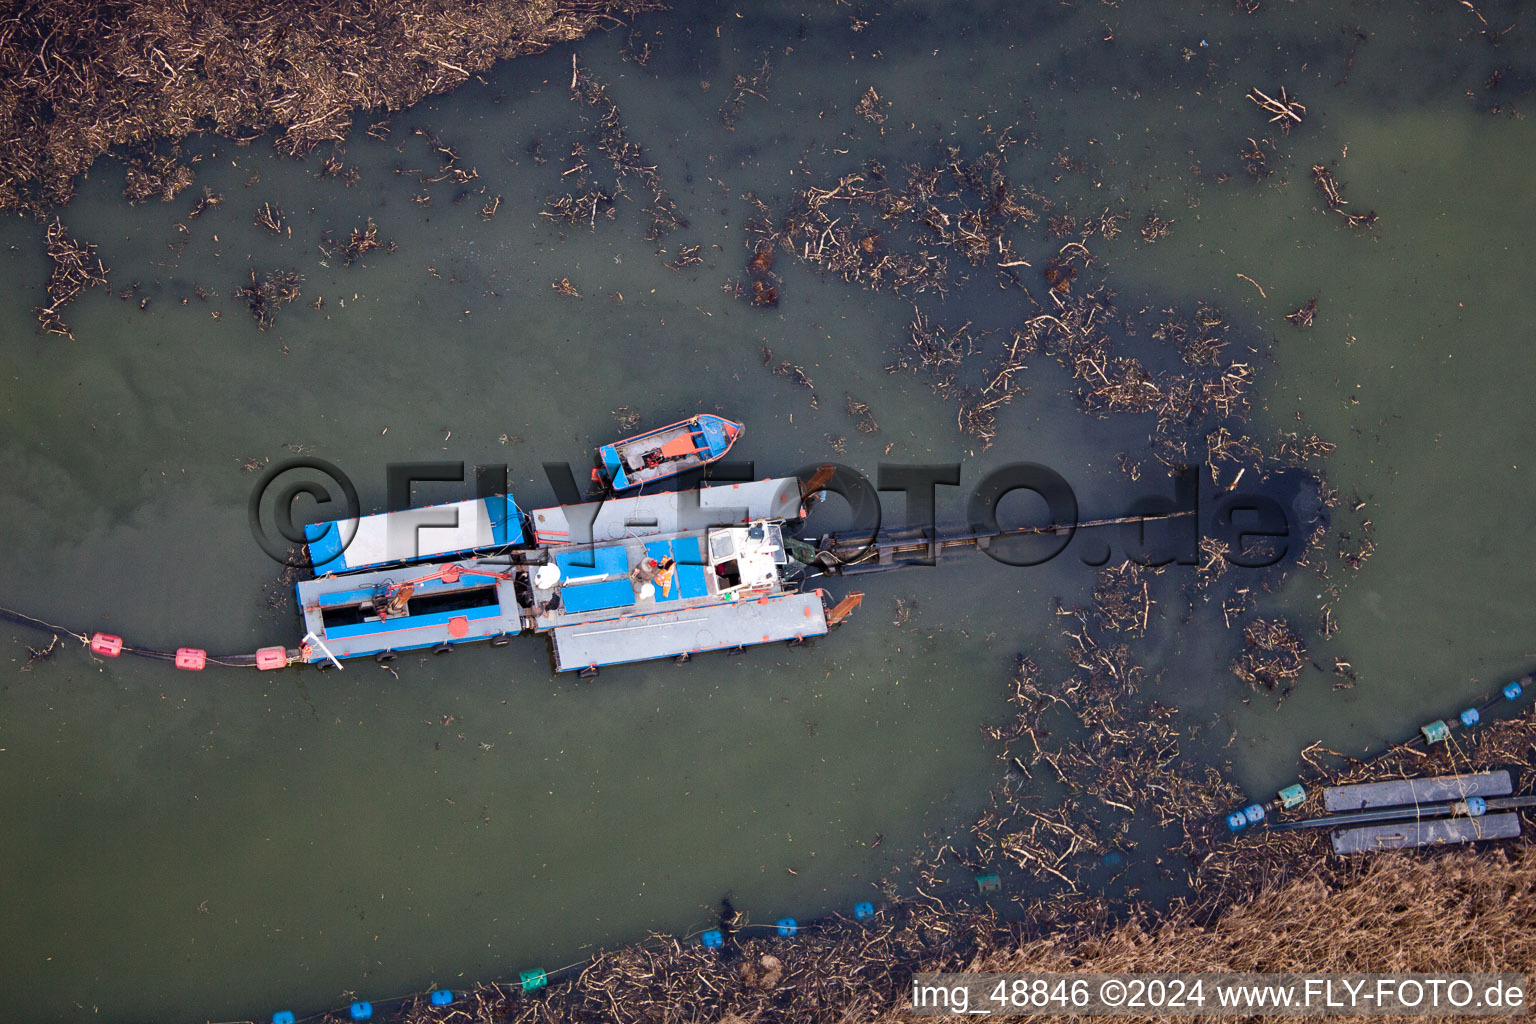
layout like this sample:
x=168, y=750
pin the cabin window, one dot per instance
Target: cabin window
x=720, y=546
x=728, y=574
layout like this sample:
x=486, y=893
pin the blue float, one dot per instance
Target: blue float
x=283, y=1017
x=787, y=927
x=1476, y=806
x=863, y=911
x=713, y=939
x=362, y=1011
x=1254, y=813
x=1470, y=717
x=1236, y=821
x=1512, y=691
x=441, y=997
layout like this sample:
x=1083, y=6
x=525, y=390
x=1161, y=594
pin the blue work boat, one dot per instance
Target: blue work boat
x=665, y=452
x=629, y=579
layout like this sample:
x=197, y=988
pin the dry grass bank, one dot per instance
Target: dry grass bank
x=1463, y=910
x=83, y=76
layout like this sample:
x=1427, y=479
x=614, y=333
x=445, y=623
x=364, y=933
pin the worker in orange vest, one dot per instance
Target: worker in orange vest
x=664, y=573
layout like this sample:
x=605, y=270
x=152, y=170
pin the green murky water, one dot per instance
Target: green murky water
x=180, y=846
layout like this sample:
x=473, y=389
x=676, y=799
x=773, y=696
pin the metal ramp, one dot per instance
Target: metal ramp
x=709, y=627
x=1435, y=832
x=1411, y=792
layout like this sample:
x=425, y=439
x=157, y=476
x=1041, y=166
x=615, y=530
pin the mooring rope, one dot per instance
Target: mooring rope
x=23, y=619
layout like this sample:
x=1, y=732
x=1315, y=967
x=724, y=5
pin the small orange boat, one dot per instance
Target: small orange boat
x=665, y=452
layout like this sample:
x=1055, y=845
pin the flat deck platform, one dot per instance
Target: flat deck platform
x=1411, y=792
x=648, y=515
x=1435, y=832
x=693, y=630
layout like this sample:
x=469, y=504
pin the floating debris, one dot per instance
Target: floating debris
x=1303, y=316
x=564, y=287
x=933, y=348
x=1123, y=599
x=1255, y=161
x=1275, y=654
x=268, y=293
x=1155, y=228
x=361, y=240
x=626, y=157
x=1329, y=187
x=75, y=268
x=639, y=49
x=687, y=256
x=792, y=372
x=1296, y=449
x=764, y=294
x=206, y=201
x=1283, y=111
x=332, y=168
x=449, y=169
x=872, y=108
x=861, y=414
x=271, y=218
x=627, y=418
x=755, y=84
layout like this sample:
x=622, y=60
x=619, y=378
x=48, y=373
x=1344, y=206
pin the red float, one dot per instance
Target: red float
x=106, y=645
x=272, y=658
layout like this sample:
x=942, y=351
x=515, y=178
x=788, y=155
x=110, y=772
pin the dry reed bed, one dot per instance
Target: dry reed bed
x=1465, y=911
x=84, y=76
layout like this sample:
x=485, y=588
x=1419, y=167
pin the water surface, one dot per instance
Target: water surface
x=184, y=846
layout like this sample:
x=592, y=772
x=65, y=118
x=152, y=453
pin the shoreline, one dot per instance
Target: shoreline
x=154, y=73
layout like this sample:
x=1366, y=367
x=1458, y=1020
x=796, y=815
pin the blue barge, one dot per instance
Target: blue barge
x=628, y=579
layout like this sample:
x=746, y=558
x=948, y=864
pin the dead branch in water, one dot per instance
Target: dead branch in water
x=1283, y=111
x=75, y=268
x=1329, y=187
x=271, y=218
x=1303, y=317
